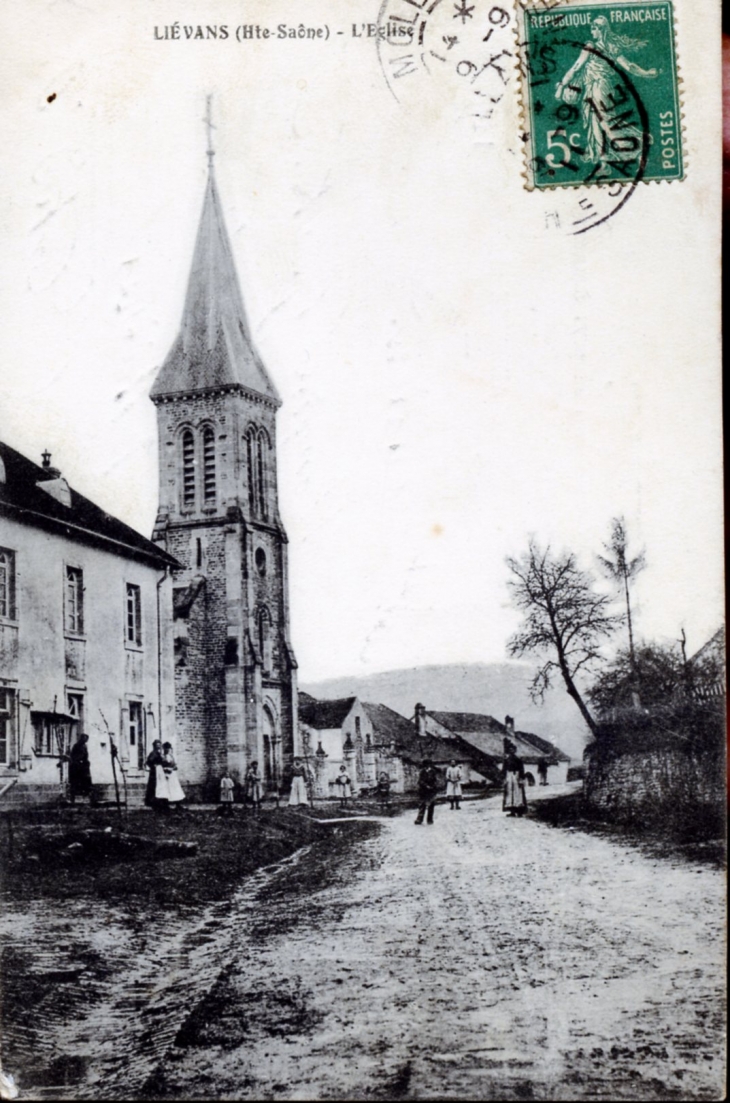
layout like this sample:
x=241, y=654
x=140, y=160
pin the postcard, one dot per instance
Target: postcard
x=361, y=550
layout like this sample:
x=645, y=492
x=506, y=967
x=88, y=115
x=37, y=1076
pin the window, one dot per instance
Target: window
x=7, y=584
x=251, y=457
x=208, y=465
x=52, y=733
x=75, y=708
x=261, y=501
x=7, y=717
x=260, y=560
x=265, y=640
x=188, y=467
x=135, y=734
x=74, y=600
x=133, y=627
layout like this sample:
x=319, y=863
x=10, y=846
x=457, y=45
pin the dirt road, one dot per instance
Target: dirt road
x=480, y=958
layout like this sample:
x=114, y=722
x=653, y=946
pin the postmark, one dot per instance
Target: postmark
x=469, y=43
x=600, y=95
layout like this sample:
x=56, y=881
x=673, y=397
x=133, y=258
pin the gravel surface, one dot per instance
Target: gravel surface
x=480, y=958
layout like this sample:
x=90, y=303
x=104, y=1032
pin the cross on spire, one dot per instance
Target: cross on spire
x=210, y=128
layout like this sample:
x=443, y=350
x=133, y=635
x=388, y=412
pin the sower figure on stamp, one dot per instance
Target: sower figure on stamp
x=595, y=78
x=514, y=800
x=428, y=787
x=453, y=785
x=79, y=769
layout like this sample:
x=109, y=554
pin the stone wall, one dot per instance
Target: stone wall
x=666, y=770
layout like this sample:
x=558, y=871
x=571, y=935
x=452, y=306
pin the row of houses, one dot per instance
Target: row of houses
x=370, y=739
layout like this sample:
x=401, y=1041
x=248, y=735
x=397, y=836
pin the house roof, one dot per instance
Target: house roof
x=391, y=727
x=465, y=722
x=714, y=648
x=545, y=749
x=80, y=519
x=213, y=348
x=323, y=715
x=487, y=734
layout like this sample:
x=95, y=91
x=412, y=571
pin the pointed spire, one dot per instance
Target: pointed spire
x=214, y=347
x=209, y=128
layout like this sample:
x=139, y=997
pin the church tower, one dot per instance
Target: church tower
x=235, y=671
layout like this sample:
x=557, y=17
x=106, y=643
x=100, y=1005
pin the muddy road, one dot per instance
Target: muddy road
x=480, y=958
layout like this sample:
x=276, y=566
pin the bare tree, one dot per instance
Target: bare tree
x=565, y=619
x=622, y=569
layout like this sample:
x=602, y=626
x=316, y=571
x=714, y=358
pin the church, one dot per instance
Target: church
x=218, y=515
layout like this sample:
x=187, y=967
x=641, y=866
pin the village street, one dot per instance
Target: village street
x=483, y=957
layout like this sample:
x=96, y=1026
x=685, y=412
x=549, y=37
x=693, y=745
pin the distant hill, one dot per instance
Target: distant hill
x=498, y=689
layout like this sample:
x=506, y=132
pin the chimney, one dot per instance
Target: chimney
x=509, y=723
x=421, y=719
x=53, y=482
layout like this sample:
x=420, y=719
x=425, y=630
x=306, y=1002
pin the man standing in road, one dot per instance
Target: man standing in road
x=428, y=787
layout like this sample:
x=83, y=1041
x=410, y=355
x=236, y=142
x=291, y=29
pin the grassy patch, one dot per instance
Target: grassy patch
x=227, y=850
x=702, y=841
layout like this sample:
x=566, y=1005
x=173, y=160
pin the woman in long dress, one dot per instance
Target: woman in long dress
x=514, y=801
x=175, y=791
x=594, y=77
x=298, y=794
x=156, y=793
x=453, y=785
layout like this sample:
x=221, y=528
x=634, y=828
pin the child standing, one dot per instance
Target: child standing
x=383, y=791
x=344, y=786
x=226, y=796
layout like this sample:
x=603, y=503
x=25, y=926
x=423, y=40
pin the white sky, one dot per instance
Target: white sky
x=456, y=371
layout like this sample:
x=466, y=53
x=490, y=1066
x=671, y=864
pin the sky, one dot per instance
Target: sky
x=458, y=371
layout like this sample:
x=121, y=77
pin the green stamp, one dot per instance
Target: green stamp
x=600, y=93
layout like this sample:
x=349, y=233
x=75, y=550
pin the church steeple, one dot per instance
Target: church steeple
x=213, y=348
x=235, y=674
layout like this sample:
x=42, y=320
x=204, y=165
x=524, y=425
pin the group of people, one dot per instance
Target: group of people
x=514, y=800
x=164, y=792
x=429, y=785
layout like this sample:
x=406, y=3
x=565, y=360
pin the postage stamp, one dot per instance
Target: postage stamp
x=600, y=94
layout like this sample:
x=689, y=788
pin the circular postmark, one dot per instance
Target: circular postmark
x=600, y=101
x=469, y=43
x=603, y=124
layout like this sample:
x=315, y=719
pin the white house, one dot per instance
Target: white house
x=85, y=635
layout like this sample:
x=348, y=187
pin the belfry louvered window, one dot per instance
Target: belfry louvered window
x=252, y=465
x=188, y=465
x=208, y=465
x=260, y=474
